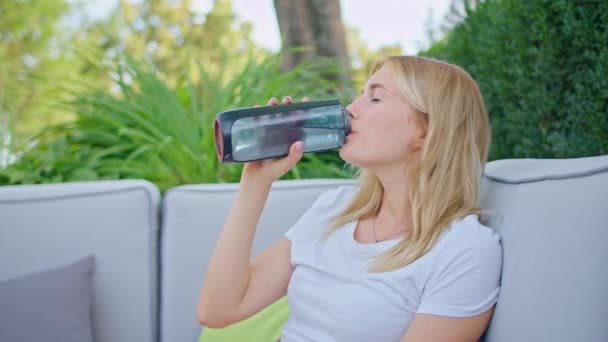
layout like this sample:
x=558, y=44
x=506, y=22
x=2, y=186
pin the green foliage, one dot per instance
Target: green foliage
x=172, y=35
x=105, y=117
x=34, y=63
x=50, y=47
x=46, y=45
x=166, y=135
x=542, y=66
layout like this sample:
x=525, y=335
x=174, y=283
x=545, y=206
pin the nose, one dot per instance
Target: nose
x=351, y=110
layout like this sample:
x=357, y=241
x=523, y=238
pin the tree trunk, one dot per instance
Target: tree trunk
x=316, y=27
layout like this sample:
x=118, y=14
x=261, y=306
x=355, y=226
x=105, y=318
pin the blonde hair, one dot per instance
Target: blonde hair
x=445, y=176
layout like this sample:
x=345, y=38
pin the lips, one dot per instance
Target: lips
x=349, y=137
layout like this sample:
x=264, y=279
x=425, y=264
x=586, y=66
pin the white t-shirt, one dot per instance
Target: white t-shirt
x=333, y=298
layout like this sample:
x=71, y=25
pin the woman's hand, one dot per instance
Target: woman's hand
x=267, y=171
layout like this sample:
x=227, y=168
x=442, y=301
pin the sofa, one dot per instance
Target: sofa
x=150, y=251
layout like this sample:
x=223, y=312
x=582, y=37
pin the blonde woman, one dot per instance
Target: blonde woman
x=400, y=256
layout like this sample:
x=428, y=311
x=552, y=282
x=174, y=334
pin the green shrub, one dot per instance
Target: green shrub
x=165, y=135
x=542, y=66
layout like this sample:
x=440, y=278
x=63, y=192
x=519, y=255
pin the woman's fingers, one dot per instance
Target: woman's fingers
x=286, y=100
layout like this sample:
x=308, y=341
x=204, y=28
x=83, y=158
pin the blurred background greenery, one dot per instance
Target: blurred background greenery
x=134, y=94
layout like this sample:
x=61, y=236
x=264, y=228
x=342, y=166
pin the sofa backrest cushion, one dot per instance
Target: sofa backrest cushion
x=554, y=233
x=44, y=226
x=193, y=216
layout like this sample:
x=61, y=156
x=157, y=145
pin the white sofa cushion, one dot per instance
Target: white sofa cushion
x=42, y=226
x=555, y=242
x=193, y=216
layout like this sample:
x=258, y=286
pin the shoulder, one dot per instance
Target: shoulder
x=469, y=240
x=465, y=278
x=317, y=217
x=335, y=198
x=469, y=232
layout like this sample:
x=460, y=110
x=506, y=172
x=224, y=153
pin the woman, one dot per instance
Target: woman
x=400, y=256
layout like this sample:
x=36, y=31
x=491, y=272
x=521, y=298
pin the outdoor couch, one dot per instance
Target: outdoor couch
x=149, y=252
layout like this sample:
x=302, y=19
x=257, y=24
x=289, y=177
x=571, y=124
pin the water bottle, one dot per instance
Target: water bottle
x=256, y=133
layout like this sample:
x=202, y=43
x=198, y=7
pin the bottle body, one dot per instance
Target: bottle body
x=257, y=133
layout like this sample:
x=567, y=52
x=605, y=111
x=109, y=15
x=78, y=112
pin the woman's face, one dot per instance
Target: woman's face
x=384, y=129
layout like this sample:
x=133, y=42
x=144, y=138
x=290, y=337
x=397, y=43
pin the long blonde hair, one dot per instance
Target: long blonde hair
x=446, y=175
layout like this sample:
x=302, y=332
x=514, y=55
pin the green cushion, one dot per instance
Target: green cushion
x=265, y=326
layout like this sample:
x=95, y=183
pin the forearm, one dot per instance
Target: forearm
x=228, y=272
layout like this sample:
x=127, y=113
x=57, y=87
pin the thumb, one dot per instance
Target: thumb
x=296, y=150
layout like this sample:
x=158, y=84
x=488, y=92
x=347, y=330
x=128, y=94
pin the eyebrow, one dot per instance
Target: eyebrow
x=374, y=86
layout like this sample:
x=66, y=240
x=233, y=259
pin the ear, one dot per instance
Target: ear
x=418, y=143
x=420, y=138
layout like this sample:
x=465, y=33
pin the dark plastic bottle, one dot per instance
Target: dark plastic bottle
x=256, y=133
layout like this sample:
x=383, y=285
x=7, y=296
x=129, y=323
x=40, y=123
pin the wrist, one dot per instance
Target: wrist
x=256, y=184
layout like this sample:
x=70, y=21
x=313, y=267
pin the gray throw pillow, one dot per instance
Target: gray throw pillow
x=51, y=305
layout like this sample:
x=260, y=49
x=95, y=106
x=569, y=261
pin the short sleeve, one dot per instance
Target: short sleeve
x=315, y=220
x=466, y=278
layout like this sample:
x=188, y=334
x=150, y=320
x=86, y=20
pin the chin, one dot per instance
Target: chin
x=346, y=155
x=343, y=154
x=366, y=159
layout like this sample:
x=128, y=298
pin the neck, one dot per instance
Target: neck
x=396, y=206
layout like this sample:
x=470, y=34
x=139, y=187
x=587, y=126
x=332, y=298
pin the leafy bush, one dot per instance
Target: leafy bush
x=166, y=136
x=542, y=66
